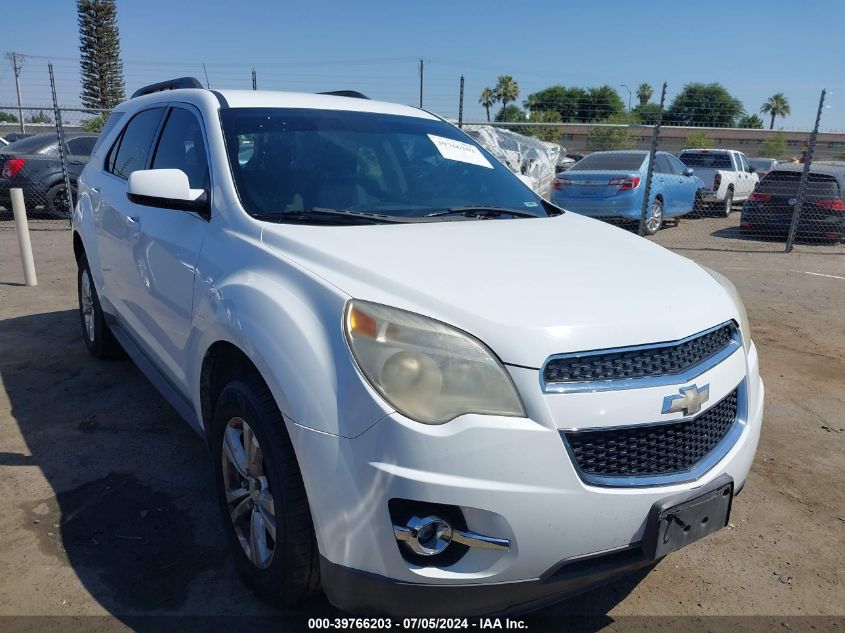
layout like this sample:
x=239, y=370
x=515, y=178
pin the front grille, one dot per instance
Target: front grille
x=652, y=449
x=657, y=360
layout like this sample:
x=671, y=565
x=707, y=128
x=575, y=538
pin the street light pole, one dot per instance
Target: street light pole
x=629, y=95
x=628, y=129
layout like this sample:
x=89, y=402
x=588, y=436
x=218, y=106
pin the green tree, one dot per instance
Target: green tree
x=507, y=90
x=708, y=105
x=567, y=102
x=644, y=93
x=99, y=47
x=487, y=99
x=776, y=106
x=613, y=134
x=602, y=103
x=750, y=121
x=648, y=113
x=510, y=114
x=95, y=124
x=40, y=117
x=8, y=117
x=774, y=146
x=698, y=140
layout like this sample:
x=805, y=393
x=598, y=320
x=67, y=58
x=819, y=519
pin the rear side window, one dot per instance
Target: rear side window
x=786, y=183
x=610, y=161
x=132, y=149
x=182, y=147
x=661, y=165
x=82, y=146
x=705, y=160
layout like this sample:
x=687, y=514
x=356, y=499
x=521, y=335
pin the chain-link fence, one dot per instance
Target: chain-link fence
x=687, y=169
x=692, y=186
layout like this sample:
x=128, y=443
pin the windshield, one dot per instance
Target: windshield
x=717, y=160
x=613, y=161
x=288, y=161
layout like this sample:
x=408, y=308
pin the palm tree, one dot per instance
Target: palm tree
x=644, y=93
x=488, y=98
x=507, y=90
x=776, y=105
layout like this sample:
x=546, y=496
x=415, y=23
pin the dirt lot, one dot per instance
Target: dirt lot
x=108, y=507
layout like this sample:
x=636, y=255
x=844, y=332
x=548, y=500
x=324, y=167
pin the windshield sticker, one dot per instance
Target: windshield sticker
x=530, y=204
x=458, y=150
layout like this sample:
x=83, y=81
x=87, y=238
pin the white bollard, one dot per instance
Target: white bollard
x=22, y=228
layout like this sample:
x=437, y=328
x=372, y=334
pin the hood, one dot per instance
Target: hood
x=528, y=288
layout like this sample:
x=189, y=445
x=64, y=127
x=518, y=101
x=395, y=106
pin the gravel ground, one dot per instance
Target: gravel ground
x=108, y=506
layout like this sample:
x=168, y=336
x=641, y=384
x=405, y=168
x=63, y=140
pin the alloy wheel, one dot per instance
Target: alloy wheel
x=655, y=218
x=86, y=303
x=248, y=496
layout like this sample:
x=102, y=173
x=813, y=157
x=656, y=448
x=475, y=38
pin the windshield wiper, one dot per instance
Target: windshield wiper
x=482, y=211
x=322, y=214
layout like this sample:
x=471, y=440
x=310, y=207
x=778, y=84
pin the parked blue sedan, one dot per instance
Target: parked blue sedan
x=611, y=186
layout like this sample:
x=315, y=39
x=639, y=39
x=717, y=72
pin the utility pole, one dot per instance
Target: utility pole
x=421, y=81
x=15, y=58
x=254, y=80
x=461, y=105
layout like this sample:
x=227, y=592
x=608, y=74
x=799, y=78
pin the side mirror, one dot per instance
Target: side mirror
x=689, y=171
x=165, y=189
x=751, y=169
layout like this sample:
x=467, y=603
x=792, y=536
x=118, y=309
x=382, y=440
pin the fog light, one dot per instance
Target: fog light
x=432, y=535
x=427, y=537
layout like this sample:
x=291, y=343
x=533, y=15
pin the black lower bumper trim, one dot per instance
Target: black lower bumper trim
x=357, y=591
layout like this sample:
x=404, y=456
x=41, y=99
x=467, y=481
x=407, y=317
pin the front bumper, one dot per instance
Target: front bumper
x=513, y=479
x=361, y=592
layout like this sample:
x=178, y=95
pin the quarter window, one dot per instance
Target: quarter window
x=132, y=149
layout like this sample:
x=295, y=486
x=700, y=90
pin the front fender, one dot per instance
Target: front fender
x=288, y=322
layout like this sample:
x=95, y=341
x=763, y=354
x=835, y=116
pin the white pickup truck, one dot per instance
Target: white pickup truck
x=728, y=176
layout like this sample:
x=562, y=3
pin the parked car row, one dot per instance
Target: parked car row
x=34, y=165
x=610, y=185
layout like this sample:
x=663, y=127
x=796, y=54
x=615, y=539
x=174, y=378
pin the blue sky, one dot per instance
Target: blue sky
x=753, y=48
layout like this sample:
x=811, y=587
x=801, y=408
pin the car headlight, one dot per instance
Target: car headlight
x=427, y=370
x=727, y=284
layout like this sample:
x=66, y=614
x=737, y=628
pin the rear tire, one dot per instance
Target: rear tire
x=56, y=202
x=262, y=496
x=654, y=218
x=728, y=204
x=95, y=331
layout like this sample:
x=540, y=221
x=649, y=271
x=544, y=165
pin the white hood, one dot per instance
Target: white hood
x=527, y=288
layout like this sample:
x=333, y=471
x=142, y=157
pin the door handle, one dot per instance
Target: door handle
x=133, y=221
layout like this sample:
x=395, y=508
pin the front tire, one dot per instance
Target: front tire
x=95, y=331
x=728, y=204
x=262, y=496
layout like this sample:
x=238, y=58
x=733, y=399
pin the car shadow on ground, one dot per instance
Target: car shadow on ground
x=133, y=511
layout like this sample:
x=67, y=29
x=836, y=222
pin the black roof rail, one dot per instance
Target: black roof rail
x=345, y=93
x=170, y=84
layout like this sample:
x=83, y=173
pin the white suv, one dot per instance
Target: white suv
x=423, y=387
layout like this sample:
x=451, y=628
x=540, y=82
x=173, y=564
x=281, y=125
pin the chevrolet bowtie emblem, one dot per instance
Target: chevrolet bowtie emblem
x=689, y=402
